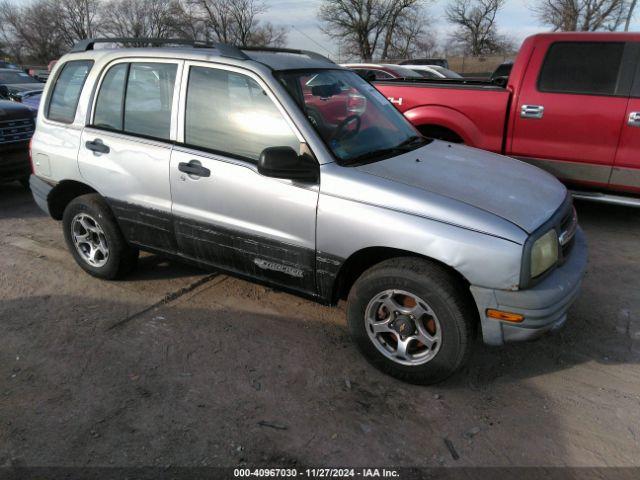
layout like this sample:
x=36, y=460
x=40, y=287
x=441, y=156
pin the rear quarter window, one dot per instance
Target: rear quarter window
x=591, y=68
x=63, y=102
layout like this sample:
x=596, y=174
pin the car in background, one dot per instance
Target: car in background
x=5, y=64
x=381, y=71
x=441, y=62
x=435, y=72
x=30, y=99
x=502, y=72
x=14, y=81
x=16, y=129
x=570, y=105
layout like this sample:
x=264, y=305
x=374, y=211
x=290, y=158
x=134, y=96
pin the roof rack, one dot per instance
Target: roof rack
x=224, y=49
x=308, y=53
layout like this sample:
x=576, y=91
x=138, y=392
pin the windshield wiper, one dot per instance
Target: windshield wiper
x=407, y=145
x=409, y=142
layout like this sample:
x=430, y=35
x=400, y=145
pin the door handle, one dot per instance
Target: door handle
x=195, y=168
x=97, y=146
x=531, y=111
x=634, y=119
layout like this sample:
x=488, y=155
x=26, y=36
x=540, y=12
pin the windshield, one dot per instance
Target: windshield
x=356, y=121
x=16, y=77
x=404, y=72
x=446, y=72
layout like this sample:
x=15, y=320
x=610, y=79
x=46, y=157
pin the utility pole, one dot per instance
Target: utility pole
x=632, y=7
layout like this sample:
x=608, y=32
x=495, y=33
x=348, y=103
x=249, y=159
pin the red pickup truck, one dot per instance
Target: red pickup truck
x=571, y=105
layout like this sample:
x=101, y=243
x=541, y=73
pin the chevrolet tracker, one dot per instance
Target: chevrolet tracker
x=282, y=167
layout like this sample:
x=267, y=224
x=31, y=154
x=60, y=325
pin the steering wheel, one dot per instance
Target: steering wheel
x=340, y=132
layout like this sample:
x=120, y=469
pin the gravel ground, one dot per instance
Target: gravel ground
x=176, y=366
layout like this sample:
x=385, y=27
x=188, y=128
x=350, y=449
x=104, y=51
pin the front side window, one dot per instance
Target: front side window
x=230, y=113
x=582, y=67
x=356, y=121
x=137, y=98
x=66, y=91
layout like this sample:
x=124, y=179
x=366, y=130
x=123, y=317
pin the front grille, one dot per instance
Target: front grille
x=12, y=131
x=567, y=234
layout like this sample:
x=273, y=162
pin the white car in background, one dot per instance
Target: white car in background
x=435, y=72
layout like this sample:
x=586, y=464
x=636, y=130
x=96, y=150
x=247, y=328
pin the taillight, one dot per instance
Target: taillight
x=33, y=170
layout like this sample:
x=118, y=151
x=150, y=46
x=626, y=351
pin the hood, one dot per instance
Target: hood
x=24, y=87
x=13, y=111
x=513, y=190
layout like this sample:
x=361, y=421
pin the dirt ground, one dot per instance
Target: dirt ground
x=176, y=366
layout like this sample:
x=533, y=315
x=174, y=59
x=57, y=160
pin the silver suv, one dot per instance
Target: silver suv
x=282, y=167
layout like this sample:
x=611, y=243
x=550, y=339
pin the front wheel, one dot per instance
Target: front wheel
x=94, y=238
x=412, y=319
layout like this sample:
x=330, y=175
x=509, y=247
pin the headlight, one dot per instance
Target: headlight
x=544, y=253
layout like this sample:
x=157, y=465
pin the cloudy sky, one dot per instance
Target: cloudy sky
x=515, y=19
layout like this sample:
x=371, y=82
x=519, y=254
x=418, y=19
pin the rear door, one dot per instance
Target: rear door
x=626, y=169
x=569, y=115
x=126, y=148
x=226, y=213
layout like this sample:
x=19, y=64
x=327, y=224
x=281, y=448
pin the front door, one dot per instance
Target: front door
x=126, y=149
x=568, y=118
x=227, y=214
x=626, y=169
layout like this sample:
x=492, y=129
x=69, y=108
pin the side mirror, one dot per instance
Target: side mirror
x=326, y=91
x=284, y=162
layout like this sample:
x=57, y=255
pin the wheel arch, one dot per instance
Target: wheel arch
x=445, y=119
x=63, y=193
x=360, y=261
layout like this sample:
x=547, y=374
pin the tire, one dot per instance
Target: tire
x=25, y=183
x=444, y=313
x=114, y=257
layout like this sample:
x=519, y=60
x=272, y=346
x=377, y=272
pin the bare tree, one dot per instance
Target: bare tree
x=584, y=15
x=30, y=31
x=412, y=37
x=402, y=25
x=476, y=25
x=76, y=19
x=374, y=28
x=357, y=23
x=237, y=22
x=140, y=18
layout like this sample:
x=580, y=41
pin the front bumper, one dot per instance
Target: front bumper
x=543, y=306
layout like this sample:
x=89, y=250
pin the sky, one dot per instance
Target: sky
x=515, y=20
x=300, y=16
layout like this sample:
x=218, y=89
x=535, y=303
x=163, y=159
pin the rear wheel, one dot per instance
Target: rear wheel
x=94, y=238
x=412, y=319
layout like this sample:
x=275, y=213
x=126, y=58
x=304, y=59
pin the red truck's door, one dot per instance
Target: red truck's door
x=570, y=108
x=626, y=168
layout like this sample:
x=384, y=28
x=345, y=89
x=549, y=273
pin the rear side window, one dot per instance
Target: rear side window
x=66, y=91
x=137, y=98
x=584, y=67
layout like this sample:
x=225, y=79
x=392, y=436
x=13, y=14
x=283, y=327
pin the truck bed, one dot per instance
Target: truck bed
x=476, y=111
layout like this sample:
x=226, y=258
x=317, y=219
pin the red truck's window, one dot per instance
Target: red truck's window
x=591, y=68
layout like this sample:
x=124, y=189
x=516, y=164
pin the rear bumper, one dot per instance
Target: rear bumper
x=544, y=306
x=40, y=191
x=14, y=163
